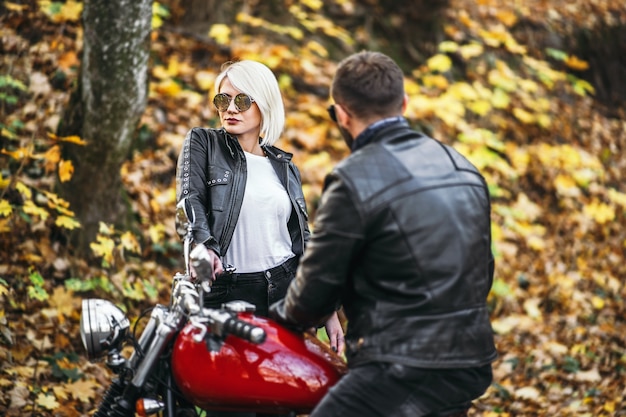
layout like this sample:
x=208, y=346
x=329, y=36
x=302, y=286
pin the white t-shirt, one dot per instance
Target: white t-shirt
x=261, y=238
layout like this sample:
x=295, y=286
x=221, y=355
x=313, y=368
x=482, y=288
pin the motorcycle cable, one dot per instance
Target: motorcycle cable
x=134, y=338
x=163, y=379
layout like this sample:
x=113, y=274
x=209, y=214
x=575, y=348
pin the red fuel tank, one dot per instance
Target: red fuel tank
x=287, y=372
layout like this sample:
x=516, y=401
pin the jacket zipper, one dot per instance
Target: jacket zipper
x=295, y=206
x=228, y=235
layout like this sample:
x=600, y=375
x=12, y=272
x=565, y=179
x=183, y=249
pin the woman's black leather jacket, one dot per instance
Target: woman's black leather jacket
x=211, y=173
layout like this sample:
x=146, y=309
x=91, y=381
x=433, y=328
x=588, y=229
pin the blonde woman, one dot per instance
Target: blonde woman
x=247, y=193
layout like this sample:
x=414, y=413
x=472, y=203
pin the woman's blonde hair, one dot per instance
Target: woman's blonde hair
x=259, y=82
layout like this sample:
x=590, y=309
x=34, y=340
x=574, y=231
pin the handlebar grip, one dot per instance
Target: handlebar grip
x=244, y=330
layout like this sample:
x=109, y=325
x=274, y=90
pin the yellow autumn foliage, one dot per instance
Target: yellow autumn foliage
x=103, y=247
x=599, y=211
x=34, y=210
x=5, y=208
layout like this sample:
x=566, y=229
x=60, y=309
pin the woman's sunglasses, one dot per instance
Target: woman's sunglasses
x=242, y=101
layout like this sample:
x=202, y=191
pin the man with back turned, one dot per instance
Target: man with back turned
x=402, y=240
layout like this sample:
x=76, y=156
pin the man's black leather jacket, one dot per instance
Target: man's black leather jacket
x=212, y=171
x=402, y=240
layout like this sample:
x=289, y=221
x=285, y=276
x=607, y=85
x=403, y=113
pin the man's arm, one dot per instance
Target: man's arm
x=315, y=293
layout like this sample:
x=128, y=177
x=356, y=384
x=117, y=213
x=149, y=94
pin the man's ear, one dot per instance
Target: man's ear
x=343, y=117
x=405, y=103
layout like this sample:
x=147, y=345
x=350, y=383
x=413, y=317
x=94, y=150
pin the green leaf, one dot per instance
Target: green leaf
x=500, y=288
x=36, y=279
x=62, y=365
x=571, y=365
x=84, y=285
x=8, y=81
x=151, y=291
x=581, y=87
x=37, y=293
x=556, y=54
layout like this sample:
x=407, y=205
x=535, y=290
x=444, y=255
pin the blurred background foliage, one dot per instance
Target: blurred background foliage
x=531, y=92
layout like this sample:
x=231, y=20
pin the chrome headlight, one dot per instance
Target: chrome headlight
x=103, y=327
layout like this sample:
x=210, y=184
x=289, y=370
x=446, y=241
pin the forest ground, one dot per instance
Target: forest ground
x=559, y=208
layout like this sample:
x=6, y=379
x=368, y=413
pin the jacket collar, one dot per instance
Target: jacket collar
x=371, y=131
x=271, y=151
x=277, y=154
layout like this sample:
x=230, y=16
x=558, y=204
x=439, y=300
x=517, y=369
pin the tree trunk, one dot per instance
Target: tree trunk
x=105, y=109
x=201, y=14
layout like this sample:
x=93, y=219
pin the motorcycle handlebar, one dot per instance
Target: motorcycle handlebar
x=244, y=330
x=223, y=323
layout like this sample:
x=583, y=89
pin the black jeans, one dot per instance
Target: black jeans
x=259, y=288
x=394, y=390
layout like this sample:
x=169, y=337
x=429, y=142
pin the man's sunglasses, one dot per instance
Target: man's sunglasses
x=332, y=113
x=242, y=101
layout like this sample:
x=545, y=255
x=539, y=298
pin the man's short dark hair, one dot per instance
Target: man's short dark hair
x=369, y=84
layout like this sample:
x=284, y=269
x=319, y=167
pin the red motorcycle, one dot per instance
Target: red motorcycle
x=189, y=357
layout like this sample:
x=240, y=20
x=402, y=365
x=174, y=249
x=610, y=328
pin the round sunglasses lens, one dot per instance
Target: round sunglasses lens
x=243, y=102
x=221, y=102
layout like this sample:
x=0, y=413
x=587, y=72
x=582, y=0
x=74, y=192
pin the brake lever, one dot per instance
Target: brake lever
x=200, y=259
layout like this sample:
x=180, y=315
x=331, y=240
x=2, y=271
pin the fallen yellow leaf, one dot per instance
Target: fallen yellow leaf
x=34, y=210
x=471, y=50
x=205, y=79
x=52, y=157
x=129, y=242
x=48, y=402
x=64, y=301
x=221, y=33
x=448, y=46
x=507, y=17
x=523, y=115
x=576, y=63
x=84, y=390
x=528, y=393
x=66, y=170
x=436, y=80
x=439, y=62
x=19, y=153
x=15, y=7
x=599, y=212
x=5, y=208
x=597, y=302
x=103, y=248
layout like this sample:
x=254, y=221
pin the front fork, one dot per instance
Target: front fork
x=124, y=405
x=120, y=366
x=163, y=325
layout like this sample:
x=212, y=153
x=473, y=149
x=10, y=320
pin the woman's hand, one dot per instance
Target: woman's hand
x=335, y=333
x=215, y=262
